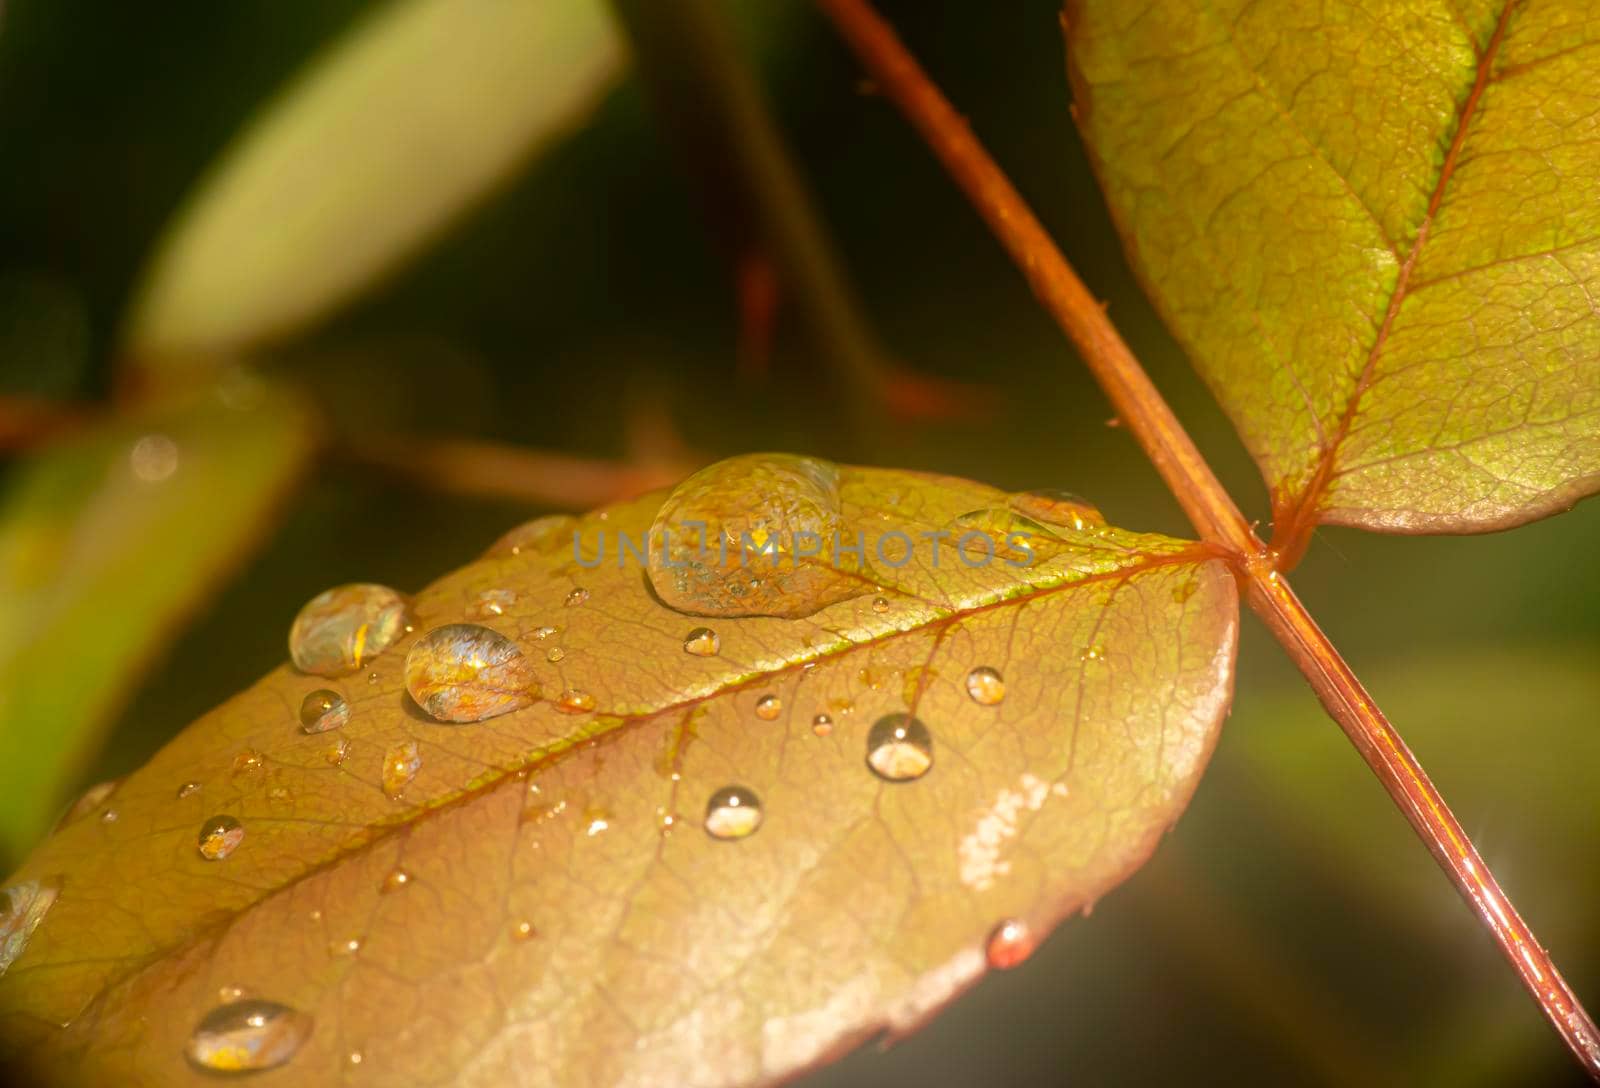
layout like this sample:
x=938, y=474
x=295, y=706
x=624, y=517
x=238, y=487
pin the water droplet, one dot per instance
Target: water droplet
x=573, y=701
x=400, y=765
x=372, y=677
x=596, y=821
x=522, y=930
x=548, y=534
x=733, y=813
x=768, y=707
x=93, y=797
x=226, y=994
x=1010, y=943
x=985, y=686
x=554, y=654
x=899, y=748
x=337, y=752
x=1093, y=653
x=880, y=605
x=395, y=880
x=153, y=458
x=347, y=947
x=702, y=642
x=492, y=602
x=822, y=725
x=542, y=633
x=462, y=672
x=247, y=1036
x=1061, y=508
x=754, y=536
x=22, y=907
x=576, y=597
x=110, y=816
x=354, y=1057
x=188, y=789
x=248, y=761
x=323, y=710
x=219, y=837
x=344, y=627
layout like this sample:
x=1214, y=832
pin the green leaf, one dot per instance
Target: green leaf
x=366, y=157
x=1373, y=227
x=108, y=541
x=464, y=903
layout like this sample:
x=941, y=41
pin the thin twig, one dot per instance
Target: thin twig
x=494, y=471
x=1213, y=512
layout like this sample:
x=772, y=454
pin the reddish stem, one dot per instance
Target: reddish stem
x=1211, y=509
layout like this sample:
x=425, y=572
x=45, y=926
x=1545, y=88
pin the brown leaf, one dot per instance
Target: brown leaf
x=542, y=902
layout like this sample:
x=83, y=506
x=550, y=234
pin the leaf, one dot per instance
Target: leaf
x=1372, y=227
x=368, y=155
x=542, y=904
x=108, y=541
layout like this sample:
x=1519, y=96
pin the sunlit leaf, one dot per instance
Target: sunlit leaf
x=681, y=863
x=414, y=114
x=1374, y=228
x=107, y=541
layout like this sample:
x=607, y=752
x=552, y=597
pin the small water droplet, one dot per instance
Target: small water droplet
x=577, y=597
x=355, y=1057
x=522, y=930
x=573, y=701
x=1061, y=508
x=395, y=880
x=1093, y=653
x=188, y=789
x=247, y=762
x=225, y=994
x=492, y=602
x=880, y=605
x=554, y=654
x=110, y=816
x=342, y=628
x=768, y=707
x=372, y=677
x=596, y=821
x=22, y=908
x=702, y=642
x=337, y=752
x=899, y=748
x=247, y=1036
x=93, y=797
x=985, y=686
x=542, y=633
x=400, y=765
x=462, y=672
x=347, y=947
x=153, y=458
x=822, y=725
x=733, y=813
x=323, y=710
x=1010, y=942
x=219, y=837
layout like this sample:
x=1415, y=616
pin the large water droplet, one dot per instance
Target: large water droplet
x=247, y=1036
x=1061, y=508
x=702, y=642
x=400, y=765
x=985, y=686
x=899, y=748
x=733, y=813
x=768, y=707
x=22, y=907
x=323, y=710
x=462, y=672
x=1010, y=942
x=574, y=701
x=341, y=629
x=754, y=536
x=219, y=837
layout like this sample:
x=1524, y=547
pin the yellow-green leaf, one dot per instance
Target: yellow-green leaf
x=108, y=540
x=414, y=114
x=537, y=897
x=1373, y=226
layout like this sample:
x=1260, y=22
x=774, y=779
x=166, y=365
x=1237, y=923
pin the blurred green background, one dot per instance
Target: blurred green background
x=1290, y=930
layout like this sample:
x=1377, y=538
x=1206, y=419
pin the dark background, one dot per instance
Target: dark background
x=1290, y=930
